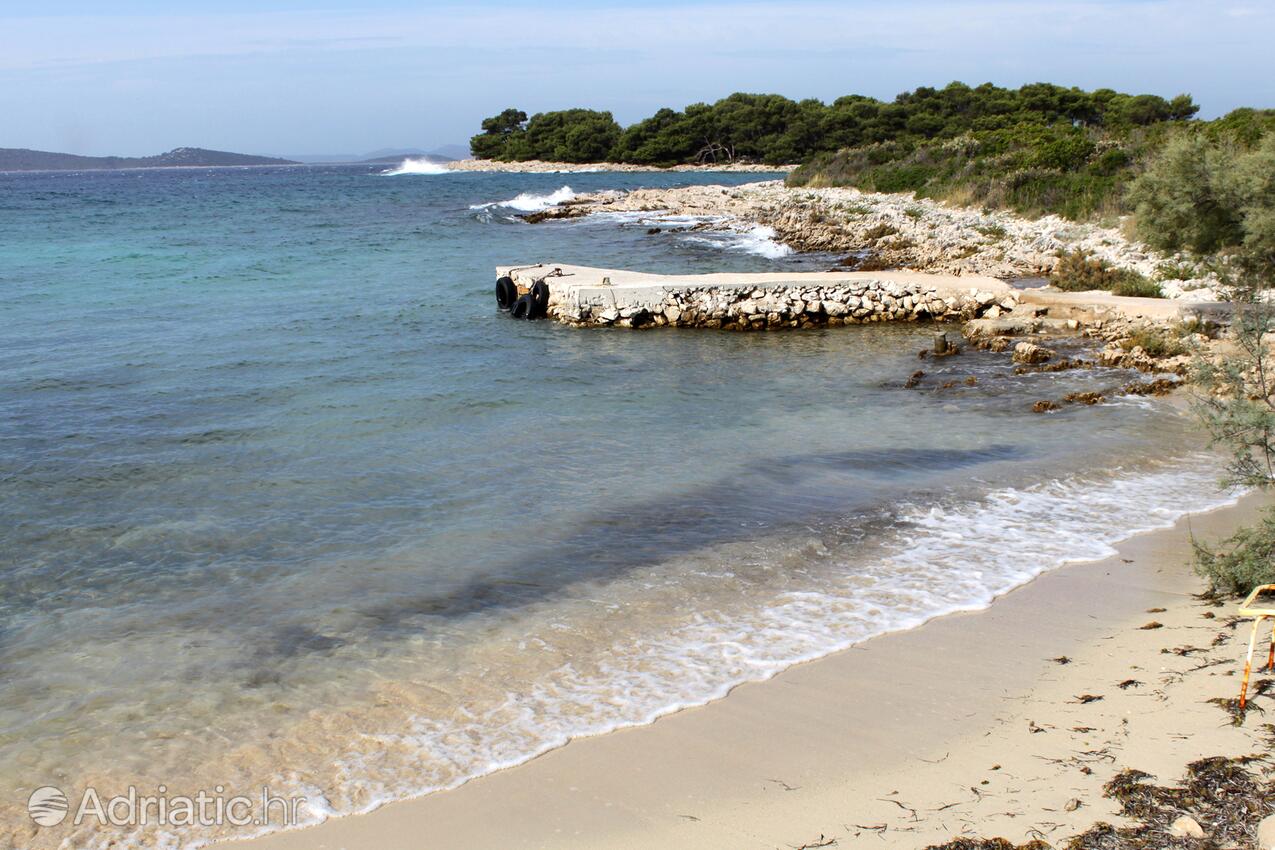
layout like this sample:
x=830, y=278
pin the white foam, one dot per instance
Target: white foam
x=526, y=202
x=416, y=166
x=757, y=239
x=721, y=232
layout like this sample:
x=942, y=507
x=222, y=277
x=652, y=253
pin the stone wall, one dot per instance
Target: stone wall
x=783, y=306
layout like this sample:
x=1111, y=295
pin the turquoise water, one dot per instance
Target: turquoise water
x=287, y=501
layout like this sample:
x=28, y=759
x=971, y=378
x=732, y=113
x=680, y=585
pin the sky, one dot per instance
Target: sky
x=339, y=76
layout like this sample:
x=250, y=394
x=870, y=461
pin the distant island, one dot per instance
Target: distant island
x=23, y=159
x=446, y=153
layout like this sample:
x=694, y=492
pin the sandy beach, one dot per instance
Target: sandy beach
x=971, y=724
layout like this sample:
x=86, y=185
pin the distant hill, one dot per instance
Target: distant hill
x=22, y=159
x=399, y=157
x=453, y=152
x=447, y=153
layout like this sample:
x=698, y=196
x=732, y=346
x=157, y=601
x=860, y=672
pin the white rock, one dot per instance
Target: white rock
x=1028, y=352
x=1186, y=827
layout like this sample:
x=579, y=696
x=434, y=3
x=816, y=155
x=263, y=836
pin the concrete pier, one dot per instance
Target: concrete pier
x=586, y=296
x=581, y=295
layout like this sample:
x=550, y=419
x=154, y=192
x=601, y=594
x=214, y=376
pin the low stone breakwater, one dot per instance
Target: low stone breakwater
x=780, y=306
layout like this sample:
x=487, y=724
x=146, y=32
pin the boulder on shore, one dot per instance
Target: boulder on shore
x=1031, y=353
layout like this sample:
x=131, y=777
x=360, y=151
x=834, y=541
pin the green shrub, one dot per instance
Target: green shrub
x=1080, y=271
x=1155, y=342
x=1195, y=325
x=1137, y=286
x=1066, y=153
x=880, y=231
x=1243, y=561
x=1181, y=201
x=1174, y=271
x=1208, y=194
x=901, y=178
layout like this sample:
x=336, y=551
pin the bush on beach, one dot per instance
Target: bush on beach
x=1242, y=561
x=1211, y=193
x=1080, y=271
x=1155, y=342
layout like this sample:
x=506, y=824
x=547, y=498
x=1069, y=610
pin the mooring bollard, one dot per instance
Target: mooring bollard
x=941, y=345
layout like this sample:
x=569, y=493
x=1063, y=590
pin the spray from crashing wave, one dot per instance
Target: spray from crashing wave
x=416, y=166
x=756, y=239
x=527, y=202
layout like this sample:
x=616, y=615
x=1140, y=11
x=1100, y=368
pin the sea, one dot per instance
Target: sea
x=287, y=503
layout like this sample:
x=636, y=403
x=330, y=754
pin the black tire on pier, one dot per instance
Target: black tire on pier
x=506, y=292
x=539, y=300
x=522, y=307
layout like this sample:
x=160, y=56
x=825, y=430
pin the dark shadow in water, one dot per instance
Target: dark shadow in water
x=791, y=492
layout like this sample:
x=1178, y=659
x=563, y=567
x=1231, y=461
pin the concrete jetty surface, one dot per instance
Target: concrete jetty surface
x=583, y=295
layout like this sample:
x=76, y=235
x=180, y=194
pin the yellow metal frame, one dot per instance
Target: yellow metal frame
x=1249, y=608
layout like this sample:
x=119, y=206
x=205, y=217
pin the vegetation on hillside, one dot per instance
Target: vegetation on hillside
x=776, y=130
x=1073, y=168
x=1037, y=149
x=571, y=135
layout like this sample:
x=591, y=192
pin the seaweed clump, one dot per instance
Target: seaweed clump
x=1223, y=795
x=988, y=844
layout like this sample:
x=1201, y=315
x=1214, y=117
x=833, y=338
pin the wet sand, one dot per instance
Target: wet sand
x=966, y=725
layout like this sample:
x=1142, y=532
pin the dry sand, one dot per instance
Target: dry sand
x=962, y=726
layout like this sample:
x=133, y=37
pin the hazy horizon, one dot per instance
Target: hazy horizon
x=321, y=77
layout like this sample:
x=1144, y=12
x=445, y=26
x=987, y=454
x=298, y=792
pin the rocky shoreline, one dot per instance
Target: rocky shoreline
x=881, y=231
x=1036, y=331
x=536, y=166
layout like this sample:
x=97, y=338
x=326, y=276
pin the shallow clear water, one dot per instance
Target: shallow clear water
x=287, y=501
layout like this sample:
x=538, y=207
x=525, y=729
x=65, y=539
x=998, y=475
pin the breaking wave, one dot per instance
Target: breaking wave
x=416, y=166
x=757, y=239
x=527, y=202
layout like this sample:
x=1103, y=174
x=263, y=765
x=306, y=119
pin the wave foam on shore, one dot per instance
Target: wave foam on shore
x=529, y=203
x=723, y=233
x=757, y=239
x=943, y=559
